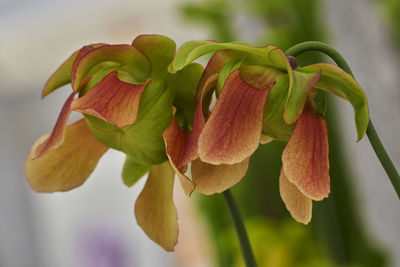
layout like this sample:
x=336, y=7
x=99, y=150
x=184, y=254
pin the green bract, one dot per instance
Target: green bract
x=288, y=97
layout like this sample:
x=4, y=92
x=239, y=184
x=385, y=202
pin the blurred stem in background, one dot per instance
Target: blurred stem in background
x=336, y=225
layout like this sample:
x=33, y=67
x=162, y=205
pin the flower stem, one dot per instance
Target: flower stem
x=373, y=137
x=240, y=228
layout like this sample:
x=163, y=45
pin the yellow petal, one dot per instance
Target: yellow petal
x=299, y=205
x=155, y=210
x=211, y=179
x=67, y=166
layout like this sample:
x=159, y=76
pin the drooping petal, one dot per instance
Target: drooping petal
x=175, y=143
x=305, y=157
x=211, y=179
x=112, y=100
x=233, y=131
x=191, y=151
x=299, y=205
x=56, y=137
x=133, y=171
x=259, y=77
x=67, y=166
x=337, y=81
x=304, y=82
x=155, y=210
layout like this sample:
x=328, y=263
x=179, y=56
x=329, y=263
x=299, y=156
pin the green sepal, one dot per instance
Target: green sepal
x=142, y=141
x=61, y=76
x=129, y=58
x=303, y=82
x=320, y=102
x=133, y=171
x=160, y=50
x=184, y=84
x=225, y=71
x=337, y=81
x=192, y=50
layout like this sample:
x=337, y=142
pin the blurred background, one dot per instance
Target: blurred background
x=94, y=225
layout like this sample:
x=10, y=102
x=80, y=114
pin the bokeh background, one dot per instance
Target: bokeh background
x=94, y=225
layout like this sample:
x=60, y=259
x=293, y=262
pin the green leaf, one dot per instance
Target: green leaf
x=321, y=102
x=274, y=125
x=130, y=59
x=304, y=82
x=192, y=50
x=184, y=84
x=336, y=81
x=133, y=171
x=160, y=51
x=143, y=141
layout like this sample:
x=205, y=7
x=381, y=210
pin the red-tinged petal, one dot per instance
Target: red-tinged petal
x=112, y=100
x=56, y=137
x=299, y=205
x=82, y=53
x=155, y=210
x=305, y=157
x=67, y=166
x=214, y=66
x=233, y=131
x=191, y=151
x=175, y=142
x=211, y=179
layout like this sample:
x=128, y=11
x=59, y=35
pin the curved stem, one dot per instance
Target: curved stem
x=240, y=228
x=373, y=137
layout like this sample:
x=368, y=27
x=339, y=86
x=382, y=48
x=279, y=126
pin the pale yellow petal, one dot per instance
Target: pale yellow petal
x=155, y=210
x=298, y=204
x=67, y=166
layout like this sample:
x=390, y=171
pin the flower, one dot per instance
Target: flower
x=263, y=95
x=127, y=97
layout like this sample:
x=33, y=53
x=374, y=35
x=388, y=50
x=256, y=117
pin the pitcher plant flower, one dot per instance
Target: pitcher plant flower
x=155, y=105
x=262, y=96
x=127, y=98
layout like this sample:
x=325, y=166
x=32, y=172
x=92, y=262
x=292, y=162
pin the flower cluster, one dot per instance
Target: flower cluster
x=154, y=104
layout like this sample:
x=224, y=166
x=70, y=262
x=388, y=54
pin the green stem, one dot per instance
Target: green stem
x=373, y=137
x=240, y=228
